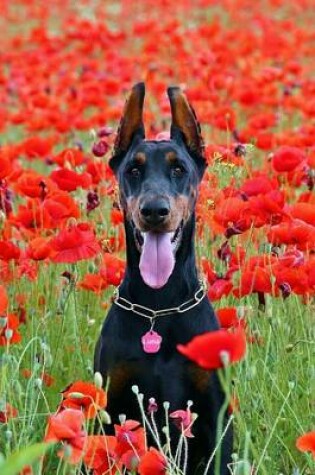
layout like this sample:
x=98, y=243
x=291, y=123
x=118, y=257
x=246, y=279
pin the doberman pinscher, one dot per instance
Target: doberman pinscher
x=160, y=302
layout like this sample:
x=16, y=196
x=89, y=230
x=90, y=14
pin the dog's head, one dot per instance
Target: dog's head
x=158, y=181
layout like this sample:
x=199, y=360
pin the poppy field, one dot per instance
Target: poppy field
x=66, y=68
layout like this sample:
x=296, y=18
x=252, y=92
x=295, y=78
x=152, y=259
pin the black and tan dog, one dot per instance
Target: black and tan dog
x=160, y=302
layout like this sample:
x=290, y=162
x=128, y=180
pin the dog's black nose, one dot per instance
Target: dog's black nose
x=155, y=211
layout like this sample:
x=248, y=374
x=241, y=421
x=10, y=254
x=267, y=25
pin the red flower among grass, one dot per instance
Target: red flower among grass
x=7, y=413
x=9, y=331
x=92, y=400
x=183, y=420
x=3, y=299
x=287, y=159
x=74, y=244
x=100, y=454
x=130, y=442
x=152, y=463
x=306, y=443
x=66, y=427
x=207, y=350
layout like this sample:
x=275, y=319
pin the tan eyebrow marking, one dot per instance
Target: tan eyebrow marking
x=140, y=158
x=171, y=157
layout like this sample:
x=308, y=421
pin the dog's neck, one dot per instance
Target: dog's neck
x=182, y=283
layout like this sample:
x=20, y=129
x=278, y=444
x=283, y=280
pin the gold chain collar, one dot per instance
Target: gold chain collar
x=151, y=314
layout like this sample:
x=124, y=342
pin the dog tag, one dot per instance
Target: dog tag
x=151, y=342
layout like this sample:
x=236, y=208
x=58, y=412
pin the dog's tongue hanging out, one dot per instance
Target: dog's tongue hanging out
x=157, y=260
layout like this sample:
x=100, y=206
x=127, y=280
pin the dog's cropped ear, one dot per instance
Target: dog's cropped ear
x=131, y=125
x=185, y=126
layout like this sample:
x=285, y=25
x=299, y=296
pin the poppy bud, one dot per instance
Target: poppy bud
x=285, y=289
x=135, y=389
x=243, y=467
x=105, y=417
x=3, y=322
x=100, y=148
x=93, y=201
x=152, y=406
x=8, y=435
x=224, y=252
x=75, y=395
x=67, y=450
x=104, y=132
x=98, y=380
x=8, y=333
x=240, y=150
x=225, y=358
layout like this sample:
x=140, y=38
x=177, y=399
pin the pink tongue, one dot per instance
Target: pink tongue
x=157, y=259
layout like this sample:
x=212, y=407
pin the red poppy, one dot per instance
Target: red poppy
x=183, y=420
x=69, y=180
x=294, y=232
x=296, y=277
x=152, y=463
x=3, y=300
x=233, y=211
x=7, y=413
x=116, y=216
x=66, y=427
x=306, y=443
x=58, y=206
x=9, y=251
x=257, y=185
x=9, y=332
x=99, y=171
x=113, y=269
x=72, y=156
x=99, y=454
x=93, y=282
x=38, y=249
x=267, y=208
x=219, y=289
x=206, y=350
x=37, y=147
x=92, y=400
x=228, y=317
x=130, y=442
x=257, y=280
x=74, y=244
x=287, y=159
x=47, y=379
x=34, y=185
x=5, y=166
x=304, y=211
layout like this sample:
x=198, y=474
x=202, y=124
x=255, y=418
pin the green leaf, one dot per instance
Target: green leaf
x=19, y=460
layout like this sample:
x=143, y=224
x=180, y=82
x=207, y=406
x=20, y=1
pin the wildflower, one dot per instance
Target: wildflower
x=206, y=349
x=69, y=180
x=306, y=443
x=287, y=159
x=3, y=299
x=130, y=442
x=100, y=148
x=100, y=455
x=9, y=332
x=152, y=463
x=66, y=427
x=92, y=398
x=7, y=412
x=74, y=243
x=183, y=420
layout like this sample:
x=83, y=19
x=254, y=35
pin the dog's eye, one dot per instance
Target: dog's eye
x=134, y=172
x=178, y=171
